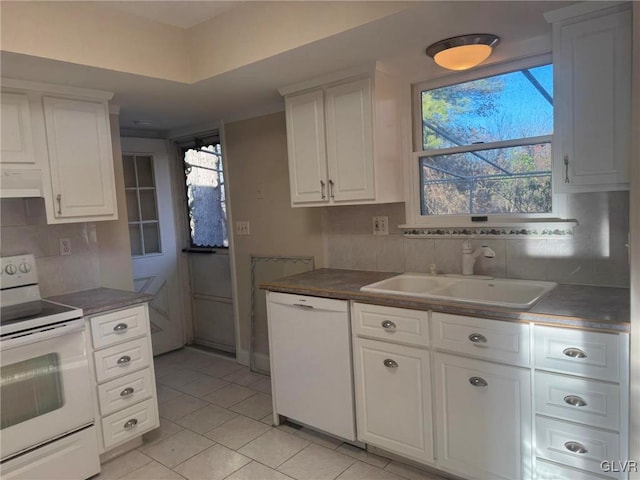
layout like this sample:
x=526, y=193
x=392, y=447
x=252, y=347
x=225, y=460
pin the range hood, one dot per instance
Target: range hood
x=20, y=183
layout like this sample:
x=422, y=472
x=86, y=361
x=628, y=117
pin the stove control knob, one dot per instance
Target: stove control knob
x=11, y=269
x=25, y=267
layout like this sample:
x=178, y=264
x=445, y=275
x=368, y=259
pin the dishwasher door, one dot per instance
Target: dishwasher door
x=310, y=355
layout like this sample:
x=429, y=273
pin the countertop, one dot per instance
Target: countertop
x=100, y=300
x=580, y=306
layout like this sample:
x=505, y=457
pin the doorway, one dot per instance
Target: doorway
x=152, y=235
x=209, y=263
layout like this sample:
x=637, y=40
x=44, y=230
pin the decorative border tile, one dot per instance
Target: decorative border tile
x=513, y=232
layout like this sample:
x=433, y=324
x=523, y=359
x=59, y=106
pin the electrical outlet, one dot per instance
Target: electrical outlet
x=381, y=225
x=242, y=228
x=65, y=246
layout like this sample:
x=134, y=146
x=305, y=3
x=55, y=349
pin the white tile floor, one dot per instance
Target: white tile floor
x=215, y=424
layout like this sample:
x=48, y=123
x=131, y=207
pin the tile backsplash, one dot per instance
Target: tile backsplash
x=596, y=254
x=24, y=230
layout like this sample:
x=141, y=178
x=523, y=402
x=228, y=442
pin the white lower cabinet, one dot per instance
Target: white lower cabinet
x=393, y=398
x=124, y=388
x=485, y=399
x=483, y=418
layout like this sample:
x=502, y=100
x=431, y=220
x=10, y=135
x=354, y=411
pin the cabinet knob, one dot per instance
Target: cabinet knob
x=389, y=325
x=576, y=447
x=121, y=327
x=123, y=360
x=478, y=382
x=129, y=424
x=477, y=338
x=127, y=392
x=574, y=352
x=390, y=363
x=575, y=401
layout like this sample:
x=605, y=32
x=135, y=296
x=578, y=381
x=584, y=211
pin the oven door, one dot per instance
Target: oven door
x=45, y=388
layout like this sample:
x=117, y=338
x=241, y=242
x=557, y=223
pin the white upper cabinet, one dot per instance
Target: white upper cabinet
x=17, y=140
x=306, y=147
x=349, y=128
x=592, y=83
x=343, y=137
x=80, y=159
x=58, y=138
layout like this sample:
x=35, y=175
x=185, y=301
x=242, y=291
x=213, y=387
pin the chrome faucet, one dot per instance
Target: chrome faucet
x=469, y=256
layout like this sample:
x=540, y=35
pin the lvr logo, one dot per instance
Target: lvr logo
x=619, y=466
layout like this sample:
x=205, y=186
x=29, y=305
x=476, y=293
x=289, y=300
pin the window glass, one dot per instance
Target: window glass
x=503, y=107
x=204, y=178
x=498, y=181
x=142, y=209
x=513, y=114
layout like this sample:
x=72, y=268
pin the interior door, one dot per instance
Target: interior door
x=153, y=238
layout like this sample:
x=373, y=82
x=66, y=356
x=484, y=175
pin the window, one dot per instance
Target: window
x=485, y=146
x=207, y=210
x=142, y=211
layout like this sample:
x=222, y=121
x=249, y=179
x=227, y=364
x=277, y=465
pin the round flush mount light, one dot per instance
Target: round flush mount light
x=463, y=52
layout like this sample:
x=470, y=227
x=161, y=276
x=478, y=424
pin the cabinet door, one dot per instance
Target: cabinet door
x=593, y=77
x=306, y=148
x=393, y=398
x=350, y=141
x=17, y=141
x=81, y=159
x=483, y=413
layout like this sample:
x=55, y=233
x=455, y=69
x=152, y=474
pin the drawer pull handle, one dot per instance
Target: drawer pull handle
x=390, y=363
x=574, y=352
x=127, y=391
x=121, y=327
x=478, y=382
x=575, y=401
x=477, y=338
x=389, y=325
x=576, y=447
x=129, y=424
x=123, y=360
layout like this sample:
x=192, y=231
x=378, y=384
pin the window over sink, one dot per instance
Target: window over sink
x=482, y=146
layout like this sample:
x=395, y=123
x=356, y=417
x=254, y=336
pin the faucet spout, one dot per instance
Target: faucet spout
x=469, y=256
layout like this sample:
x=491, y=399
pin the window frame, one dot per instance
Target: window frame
x=413, y=180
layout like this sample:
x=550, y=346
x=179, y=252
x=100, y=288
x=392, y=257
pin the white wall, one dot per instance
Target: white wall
x=257, y=157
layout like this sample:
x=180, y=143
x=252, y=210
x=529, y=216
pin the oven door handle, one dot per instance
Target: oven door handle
x=42, y=333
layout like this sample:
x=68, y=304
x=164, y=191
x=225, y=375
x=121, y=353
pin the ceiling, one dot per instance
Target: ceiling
x=184, y=14
x=398, y=40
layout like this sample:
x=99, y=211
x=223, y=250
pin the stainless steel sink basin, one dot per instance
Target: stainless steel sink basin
x=520, y=294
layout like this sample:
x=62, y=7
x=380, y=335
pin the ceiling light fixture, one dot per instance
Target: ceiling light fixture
x=463, y=52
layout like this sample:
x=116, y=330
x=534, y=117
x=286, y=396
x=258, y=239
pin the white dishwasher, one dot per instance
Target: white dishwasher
x=310, y=355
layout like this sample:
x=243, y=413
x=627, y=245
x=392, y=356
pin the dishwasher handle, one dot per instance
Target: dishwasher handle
x=306, y=307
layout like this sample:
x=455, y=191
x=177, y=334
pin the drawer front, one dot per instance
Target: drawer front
x=489, y=339
x=578, y=399
x=553, y=471
x=576, y=352
x=391, y=324
x=120, y=326
x=125, y=391
x=122, y=359
x=577, y=446
x=129, y=423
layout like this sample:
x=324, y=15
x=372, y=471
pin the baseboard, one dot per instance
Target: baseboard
x=261, y=361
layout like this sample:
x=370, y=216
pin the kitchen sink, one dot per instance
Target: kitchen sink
x=520, y=294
